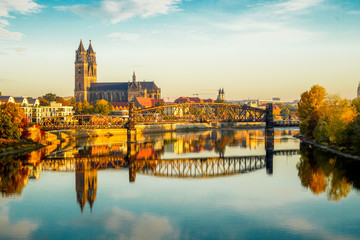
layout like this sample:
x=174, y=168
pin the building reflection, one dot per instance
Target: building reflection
x=86, y=184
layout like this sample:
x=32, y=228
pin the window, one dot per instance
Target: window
x=79, y=70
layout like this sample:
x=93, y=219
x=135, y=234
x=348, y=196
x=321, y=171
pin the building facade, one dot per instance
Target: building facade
x=88, y=89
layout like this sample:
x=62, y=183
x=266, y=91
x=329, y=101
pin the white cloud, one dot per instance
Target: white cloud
x=114, y=11
x=295, y=5
x=14, y=230
x=15, y=6
x=7, y=35
x=129, y=226
x=123, y=36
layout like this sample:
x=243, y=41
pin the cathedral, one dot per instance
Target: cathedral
x=88, y=89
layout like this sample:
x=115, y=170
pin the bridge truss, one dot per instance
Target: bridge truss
x=82, y=122
x=199, y=112
x=201, y=167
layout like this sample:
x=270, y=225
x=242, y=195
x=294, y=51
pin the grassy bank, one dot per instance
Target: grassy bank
x=9, y=147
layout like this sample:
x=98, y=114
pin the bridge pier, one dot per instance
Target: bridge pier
x=130, y=157
x=269, y=147
x=131, y=131
x=269, y=117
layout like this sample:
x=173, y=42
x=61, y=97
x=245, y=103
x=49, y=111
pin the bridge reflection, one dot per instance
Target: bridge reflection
x=149, y=157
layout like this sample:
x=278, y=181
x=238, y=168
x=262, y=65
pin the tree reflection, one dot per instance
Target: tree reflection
x=322, y=172
x=13, y=177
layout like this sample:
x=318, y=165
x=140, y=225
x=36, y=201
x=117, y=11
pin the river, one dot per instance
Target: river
x=191, y=185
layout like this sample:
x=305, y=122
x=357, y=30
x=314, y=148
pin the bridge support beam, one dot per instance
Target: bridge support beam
x=269, y=117
x=131, y=131
x=269, y=147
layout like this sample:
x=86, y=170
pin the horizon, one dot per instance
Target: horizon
x=252, y=49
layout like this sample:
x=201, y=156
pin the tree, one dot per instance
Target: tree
x=336, y=115
x=308, y=109
x=50, y=97
x=159, y=103
x=284, y=113
x=83, y=108
x=356, y=104
x=12, y=119
x=103, y=107
x=44, y=102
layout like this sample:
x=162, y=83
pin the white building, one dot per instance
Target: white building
x=56, y=110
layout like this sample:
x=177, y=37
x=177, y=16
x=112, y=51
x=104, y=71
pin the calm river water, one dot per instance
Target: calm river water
x=194, y=185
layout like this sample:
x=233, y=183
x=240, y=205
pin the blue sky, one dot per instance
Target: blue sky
x=254, y=49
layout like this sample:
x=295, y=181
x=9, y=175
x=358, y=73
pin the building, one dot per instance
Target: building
x=5, y=99
x=358, y=91
x=221, y=95
x=31, y=106
x=88, y=89
x=56, y=110
x=193, y=100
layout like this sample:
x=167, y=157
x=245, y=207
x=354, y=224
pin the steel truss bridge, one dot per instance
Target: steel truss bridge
x=175, y=113
x=176, y=168
x=200, y=112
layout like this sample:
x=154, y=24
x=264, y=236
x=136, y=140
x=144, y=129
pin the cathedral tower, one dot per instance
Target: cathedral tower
x=221, y=96
x=85, y=71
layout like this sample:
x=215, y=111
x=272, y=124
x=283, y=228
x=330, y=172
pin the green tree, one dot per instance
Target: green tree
x=50, y=97
x=284, y=113
x=44, y=102
x=12, y=119
x=356, y=104
x=103, y=107
x=308, y=109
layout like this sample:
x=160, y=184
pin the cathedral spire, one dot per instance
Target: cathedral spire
x=81, y=47
x=134, y=77
x=90, y=49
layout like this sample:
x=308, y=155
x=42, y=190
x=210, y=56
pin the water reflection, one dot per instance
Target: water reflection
x=322, y=172
x=80, y=198
x=148, y=157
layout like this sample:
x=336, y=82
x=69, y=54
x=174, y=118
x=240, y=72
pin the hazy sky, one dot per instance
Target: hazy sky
x=251, y=48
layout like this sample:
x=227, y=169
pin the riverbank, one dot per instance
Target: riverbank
x=12, y=147
x=327, y=148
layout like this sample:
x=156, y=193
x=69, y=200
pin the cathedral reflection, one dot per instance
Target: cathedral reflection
x=86, y=184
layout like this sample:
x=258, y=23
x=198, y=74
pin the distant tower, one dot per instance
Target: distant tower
x=358, y=92
x=85, y=71
x=221, y=95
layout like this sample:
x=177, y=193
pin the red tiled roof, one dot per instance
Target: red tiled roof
x=148, y=102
